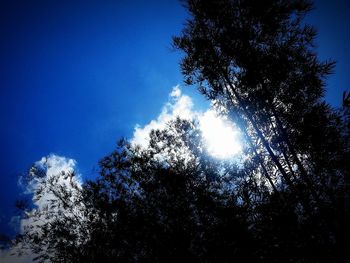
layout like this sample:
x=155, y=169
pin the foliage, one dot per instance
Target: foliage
x=258, y=59
x=154, y=204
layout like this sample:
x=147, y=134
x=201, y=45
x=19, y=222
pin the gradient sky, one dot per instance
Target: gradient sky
x=77, y=75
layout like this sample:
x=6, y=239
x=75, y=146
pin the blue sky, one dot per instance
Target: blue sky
x=77, y=75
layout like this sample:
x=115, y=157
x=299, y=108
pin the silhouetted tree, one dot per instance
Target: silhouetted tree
x=55, y=228
x=257, y=58
x=169, y=202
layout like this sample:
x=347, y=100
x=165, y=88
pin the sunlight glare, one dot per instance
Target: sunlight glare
x=221, y=137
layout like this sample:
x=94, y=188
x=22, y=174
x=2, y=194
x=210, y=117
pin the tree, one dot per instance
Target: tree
x=56, y=225
x=257, y=58
x=168, y=202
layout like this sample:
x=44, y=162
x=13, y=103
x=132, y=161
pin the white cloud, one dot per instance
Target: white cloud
x=52, y=167
x=220, y=135
x=176, y=92
x=52, y=170
x=178, y=105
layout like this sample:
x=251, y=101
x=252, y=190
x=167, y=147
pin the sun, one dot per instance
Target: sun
x=221, y=137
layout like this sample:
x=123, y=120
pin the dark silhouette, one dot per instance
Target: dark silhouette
x=167, y=203
x=258, y=58
x=287, y=202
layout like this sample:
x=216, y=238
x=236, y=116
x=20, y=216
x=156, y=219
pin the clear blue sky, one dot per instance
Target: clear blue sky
x=77, y=75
